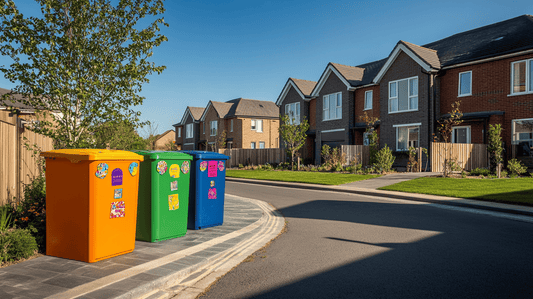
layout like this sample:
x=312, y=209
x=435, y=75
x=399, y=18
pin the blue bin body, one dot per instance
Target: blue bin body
x=207, y=189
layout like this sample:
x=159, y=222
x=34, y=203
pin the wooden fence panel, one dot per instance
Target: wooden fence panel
x=359, y=153
x=468, y=156
x=253, y=156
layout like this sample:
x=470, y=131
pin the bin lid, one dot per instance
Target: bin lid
x=156, y=155
x=85, y=154
x=203, y=155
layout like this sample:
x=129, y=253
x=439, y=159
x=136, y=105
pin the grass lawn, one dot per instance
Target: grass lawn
x=322, y=178
x=517, y=191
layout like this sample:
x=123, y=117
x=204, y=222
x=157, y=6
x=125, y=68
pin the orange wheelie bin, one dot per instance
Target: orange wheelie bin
x=91, y=203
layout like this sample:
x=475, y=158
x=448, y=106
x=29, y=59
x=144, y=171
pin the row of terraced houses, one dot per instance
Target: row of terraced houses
x=488, y=69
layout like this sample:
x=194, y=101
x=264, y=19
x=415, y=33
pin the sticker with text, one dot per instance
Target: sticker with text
x=161, y=167
x=116, y=177
x=101, y=170
x=174, y=171
x=174, y=186
x=118, y=209
x=173, y=202
x=212, y=169
x=118, y=193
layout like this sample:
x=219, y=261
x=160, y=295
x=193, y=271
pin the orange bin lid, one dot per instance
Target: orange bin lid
x=76, y=155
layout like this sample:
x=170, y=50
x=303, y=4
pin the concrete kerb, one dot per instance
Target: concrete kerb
x=450, y=201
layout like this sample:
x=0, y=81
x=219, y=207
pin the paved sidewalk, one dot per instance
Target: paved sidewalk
x=184, y=266
x=371, y=191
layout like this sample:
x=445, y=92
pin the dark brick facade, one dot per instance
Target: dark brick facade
x=360, y=109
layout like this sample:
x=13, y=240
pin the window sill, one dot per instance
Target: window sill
x=404, y=111
x=464, y=95
x=520, y=94
x=331, y=119
x=367, y=109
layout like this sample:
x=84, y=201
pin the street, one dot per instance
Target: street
x=350, y=246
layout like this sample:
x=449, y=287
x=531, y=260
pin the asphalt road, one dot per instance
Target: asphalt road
x=350, y=246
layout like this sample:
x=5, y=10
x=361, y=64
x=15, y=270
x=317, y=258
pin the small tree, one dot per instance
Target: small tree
x=445, y=128
x=373, y=137
x=495, y=146
x=293, y=135
x=216, y=142
x=384, y=160
x=118, y=135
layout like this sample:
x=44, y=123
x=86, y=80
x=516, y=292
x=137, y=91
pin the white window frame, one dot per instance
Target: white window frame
x=231, y=126
x=409, y=109
x=261, y=143
x=293, y=113
x=419, y=125
x=529, y=85
x=257, y=125
x=252, y=145
x=179, y=132
x=368, y=106
x=213, y=130
x=514, y=135
x=253, y=125
x=326, y=98
x=468, y=133
x=459, y=85
x=189, y=131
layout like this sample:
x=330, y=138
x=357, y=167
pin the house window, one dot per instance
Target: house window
x=252, y=145
x=189, y=130
x=465, y=84
x=522, y=76
x=261, y=144
x=257, y=125
x=214, y=127
x=461, y=134
x=407, y=136
x=332, y=106
x=179, y=132
x=403, y=95
x=368, y=99
x=293, y=111
x=231, y=126
x=523, y=136
x=203, y=127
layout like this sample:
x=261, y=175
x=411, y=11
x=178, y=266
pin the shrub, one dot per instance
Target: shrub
x=463, y=174
x=16, y=244
x=516, y=167
x=504, y=174
x=480, y=172
x=6, y=220
x=241, y=166
x=31, y=211
x=384, y=159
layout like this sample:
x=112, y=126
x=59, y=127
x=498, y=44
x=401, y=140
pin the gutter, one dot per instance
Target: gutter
x=488, y=59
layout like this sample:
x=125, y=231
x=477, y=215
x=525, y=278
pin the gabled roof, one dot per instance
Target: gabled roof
x=194, y=112
x=221, y=109
x=351, y=76
x=243, y=107
x=163, y=134
x=302, y=87
x=15, y=101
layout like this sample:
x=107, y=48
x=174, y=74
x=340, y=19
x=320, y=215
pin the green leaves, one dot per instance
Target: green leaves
x=85, y=60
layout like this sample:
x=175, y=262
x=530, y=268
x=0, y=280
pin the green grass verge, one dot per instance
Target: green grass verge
x=322, y=178
x=514, y=191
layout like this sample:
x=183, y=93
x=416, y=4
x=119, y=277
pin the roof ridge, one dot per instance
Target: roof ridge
x=302, y=80
x=355, y=67
x=405, y=42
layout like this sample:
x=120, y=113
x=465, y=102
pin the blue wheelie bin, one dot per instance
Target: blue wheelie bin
x=207, y=190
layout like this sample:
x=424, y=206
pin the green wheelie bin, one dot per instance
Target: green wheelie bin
x=163, y=195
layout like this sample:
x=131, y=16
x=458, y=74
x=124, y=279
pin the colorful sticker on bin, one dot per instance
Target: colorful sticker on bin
x=101, y=170
x=134, y=168
x=185, y=166
x=212, y=194
x=116, y=177
x=212, y=183
x=174, y=186
x=203, y=166
x=118, y=209
x=118, y=193
x=221, y=165
x=174, y=171
x=173, y=202
x=161, y=167
x=212, y=169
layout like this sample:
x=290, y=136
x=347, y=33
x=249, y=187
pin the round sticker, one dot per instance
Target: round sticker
x=221, y=165
x=212, y=183
x=101, y=170
x=203, y=166
x=161, y=167
x=185, y=167
x=134, y=168
x=174, y=171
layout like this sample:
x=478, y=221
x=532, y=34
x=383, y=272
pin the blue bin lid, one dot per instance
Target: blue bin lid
x=203, y=155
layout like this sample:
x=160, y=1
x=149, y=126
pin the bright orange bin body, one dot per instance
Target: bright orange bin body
x=91, y=203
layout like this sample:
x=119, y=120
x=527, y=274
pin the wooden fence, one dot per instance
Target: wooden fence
x=17, y=166
x=468, y=156
x=253, y=156
x=358, y=153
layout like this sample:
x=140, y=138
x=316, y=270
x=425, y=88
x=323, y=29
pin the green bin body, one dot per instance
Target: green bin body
x=163, y=195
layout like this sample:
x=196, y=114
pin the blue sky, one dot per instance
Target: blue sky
x=221, y=50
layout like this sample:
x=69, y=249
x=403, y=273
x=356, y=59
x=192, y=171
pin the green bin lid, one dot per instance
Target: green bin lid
x=170, y=155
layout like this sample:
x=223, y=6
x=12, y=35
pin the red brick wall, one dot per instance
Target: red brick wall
x=360, y=102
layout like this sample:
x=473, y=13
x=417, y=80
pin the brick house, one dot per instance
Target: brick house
x=247, y=123
x=489, y=69
x=165, y=140
x=187, y=131
x=296, y=101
